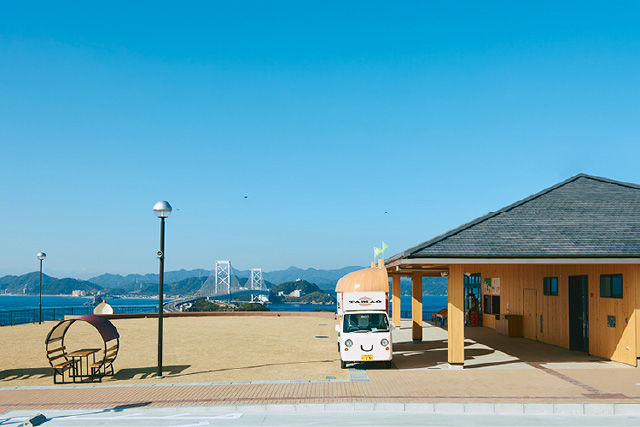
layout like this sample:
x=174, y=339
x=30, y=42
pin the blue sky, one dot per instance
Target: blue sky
x=325, y=114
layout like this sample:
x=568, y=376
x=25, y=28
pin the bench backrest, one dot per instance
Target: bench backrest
x=55, y=354
x=110, y=354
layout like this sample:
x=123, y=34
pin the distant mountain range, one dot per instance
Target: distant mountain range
x=30, y=284
x=325, y=279
x=185, y=282
x=133, y=282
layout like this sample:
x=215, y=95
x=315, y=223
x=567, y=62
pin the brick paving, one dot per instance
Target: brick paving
x=419, y=375
x=383, y=386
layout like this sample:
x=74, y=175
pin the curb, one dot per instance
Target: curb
x=475, y=408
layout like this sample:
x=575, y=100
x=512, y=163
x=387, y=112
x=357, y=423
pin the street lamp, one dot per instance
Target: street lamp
x=162, y=209
x=41, y=256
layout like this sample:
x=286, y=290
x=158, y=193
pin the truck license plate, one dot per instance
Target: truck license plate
x=366, y=357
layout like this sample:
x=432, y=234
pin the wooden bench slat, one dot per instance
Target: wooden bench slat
x=64, y=364
x=56, y=349
x=51, y=359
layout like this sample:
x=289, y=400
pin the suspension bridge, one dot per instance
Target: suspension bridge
x=223, y=285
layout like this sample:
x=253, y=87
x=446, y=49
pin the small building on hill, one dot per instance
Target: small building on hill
x=563, y=263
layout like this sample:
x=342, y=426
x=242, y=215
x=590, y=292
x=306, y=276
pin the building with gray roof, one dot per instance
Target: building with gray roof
x=561, y=266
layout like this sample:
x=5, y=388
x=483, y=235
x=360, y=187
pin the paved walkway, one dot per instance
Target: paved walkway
x=499, y=370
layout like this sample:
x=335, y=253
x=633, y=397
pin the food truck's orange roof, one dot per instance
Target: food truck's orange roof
x=373, y=279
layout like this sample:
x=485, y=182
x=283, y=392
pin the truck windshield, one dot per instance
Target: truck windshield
x=367, y=322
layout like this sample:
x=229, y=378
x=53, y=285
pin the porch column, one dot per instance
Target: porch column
x=395, y=291
x=416, y=306
x=456, y=316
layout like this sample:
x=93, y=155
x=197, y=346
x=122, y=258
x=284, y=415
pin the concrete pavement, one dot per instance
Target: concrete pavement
x=326, y=415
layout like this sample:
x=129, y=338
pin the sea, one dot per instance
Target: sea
x=430, y=303
x=25, y=302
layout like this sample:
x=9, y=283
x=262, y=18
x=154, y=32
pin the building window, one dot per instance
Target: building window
x=495, y=304
x=487, y=304
x=611, y=286
x=551, y=286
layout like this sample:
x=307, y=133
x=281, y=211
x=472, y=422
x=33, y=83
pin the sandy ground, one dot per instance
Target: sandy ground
x=196, y=349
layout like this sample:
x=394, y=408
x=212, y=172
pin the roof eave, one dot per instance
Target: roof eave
x=627, y=259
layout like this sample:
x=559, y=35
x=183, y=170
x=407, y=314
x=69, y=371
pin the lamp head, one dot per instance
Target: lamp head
x=41, y=255
x=162, y=209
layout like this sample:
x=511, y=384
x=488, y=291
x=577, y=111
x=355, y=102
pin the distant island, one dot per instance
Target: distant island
x=204, y=305
x=300, y=292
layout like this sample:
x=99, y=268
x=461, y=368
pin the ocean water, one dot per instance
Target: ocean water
x=22, y=302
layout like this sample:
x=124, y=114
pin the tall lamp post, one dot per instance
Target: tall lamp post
x=162, y=209
x=41, y=256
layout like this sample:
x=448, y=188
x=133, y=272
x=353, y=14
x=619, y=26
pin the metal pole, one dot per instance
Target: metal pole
x=40, y=305
x=160, y=297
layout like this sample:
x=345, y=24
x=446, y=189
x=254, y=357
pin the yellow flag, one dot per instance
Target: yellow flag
x=379, y=251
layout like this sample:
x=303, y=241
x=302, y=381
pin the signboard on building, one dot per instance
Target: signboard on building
x=495, y=286
x=486, y=286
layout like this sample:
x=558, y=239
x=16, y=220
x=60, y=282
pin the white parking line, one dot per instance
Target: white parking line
x=142, y=416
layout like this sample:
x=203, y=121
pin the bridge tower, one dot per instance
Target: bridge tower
x=223, y=277
x=220, y=282
x=257, y=284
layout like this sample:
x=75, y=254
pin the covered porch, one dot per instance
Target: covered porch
x=570, y=313
x=486, y=349
x=562, y=265
x=455, y=331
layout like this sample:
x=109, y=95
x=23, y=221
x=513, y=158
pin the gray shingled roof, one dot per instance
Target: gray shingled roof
x=584, y=216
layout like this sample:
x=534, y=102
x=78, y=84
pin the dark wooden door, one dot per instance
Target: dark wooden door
x=578, y=314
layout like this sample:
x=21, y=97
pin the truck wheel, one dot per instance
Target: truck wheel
x=387, y=364
x=343, y=364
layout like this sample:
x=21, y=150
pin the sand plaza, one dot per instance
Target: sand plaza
x=291, y=361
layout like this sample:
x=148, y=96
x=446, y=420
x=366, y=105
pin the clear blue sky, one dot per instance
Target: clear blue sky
x=325, y=114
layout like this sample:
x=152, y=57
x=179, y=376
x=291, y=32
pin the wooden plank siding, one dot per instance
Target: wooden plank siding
x=619, y=343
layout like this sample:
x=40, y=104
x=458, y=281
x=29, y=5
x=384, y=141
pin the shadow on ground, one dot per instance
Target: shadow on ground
x=149, y=372
x=484, y=348
x=241, y=368
x=25, y=373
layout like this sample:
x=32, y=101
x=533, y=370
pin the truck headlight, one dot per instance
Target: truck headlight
x=348, y=343
x=384, y=342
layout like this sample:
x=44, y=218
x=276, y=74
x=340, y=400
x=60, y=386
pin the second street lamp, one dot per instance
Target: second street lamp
x=41, y=256
x=162, y=209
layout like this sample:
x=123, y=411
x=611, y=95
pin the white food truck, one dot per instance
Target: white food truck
x=364, y=329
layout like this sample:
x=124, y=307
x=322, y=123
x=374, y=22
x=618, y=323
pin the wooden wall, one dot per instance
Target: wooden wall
x=617, y=343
